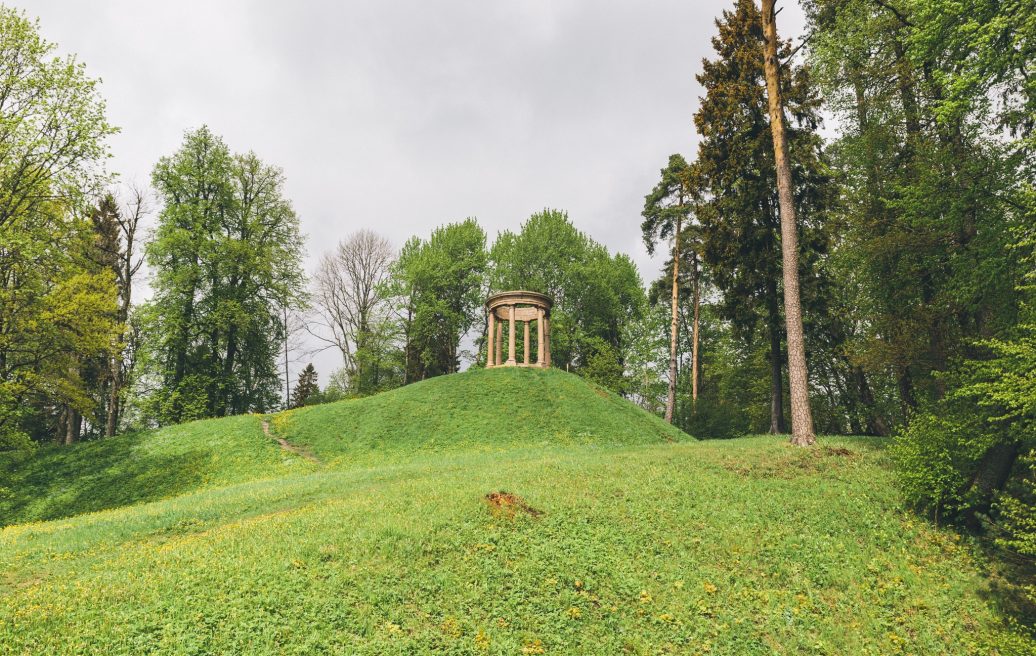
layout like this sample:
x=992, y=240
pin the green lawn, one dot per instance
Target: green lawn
x=634, y=541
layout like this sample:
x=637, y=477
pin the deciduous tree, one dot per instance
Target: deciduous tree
x=226, y=259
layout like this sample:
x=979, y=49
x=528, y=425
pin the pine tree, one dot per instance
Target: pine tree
x=666, y=211
x=305, y=387
x=798, y=378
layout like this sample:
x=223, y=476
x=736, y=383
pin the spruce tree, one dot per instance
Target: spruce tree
x=305, y=387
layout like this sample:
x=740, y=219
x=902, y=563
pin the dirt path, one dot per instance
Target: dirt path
x=288, y=446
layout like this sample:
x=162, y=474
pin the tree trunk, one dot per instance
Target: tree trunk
x=73, y=424
x=112, y=420
x=777, y=426
x=287, y=381
x=798, y=377
x=905, y=384
x=670, y=402
x=990, y=477
x=876, y=424
x=694, y=343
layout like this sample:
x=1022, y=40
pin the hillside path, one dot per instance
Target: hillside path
x=288, y=446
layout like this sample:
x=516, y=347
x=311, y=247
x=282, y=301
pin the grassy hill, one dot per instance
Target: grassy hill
x=499, y=512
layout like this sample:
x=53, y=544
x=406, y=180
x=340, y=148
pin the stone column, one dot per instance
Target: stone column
x=510, y=339
x=498, y=343
x=525, y=351
x=489, y=339
x=546, y=340
x=539, y=337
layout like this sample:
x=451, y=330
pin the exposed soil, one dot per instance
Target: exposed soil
x=509, y=505
x=288, y=446
x=795, y=462
x=837, y=451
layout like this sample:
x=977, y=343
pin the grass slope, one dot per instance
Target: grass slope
x=637, y=544
x=59, y=481
x=482, y=410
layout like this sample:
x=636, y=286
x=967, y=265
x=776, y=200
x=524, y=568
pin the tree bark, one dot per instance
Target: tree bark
x=798, y=376
x=777, y=426
x=694, y=343
x=73, y=425
x=670, y=402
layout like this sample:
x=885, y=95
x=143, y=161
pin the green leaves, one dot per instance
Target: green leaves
x=227, y=257
x=439, y=289
x=52, y=124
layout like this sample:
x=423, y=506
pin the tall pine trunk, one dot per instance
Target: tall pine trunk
x=798, y=377
x=777, y=426
x=694, y=345
x=670, y=402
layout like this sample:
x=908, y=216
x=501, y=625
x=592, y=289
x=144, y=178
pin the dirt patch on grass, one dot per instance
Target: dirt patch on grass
x=793, y=462
x=505, y=504
x=837, y=451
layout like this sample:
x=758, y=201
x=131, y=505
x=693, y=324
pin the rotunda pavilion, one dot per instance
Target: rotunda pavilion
x=513, y=308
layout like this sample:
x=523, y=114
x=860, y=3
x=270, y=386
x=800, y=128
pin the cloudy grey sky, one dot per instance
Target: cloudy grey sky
x=400, y=116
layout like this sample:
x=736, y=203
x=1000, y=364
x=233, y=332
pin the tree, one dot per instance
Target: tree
x=801, y=415
x=437, y=290
x=56, y=313
x=305, y=388
x=56, y=305
x=350, y=301
x=739, y=209
x=937, y=242
x=52, y=124
x=116, y=250
x=227, y=260
x=665, y=210
x=932, y=189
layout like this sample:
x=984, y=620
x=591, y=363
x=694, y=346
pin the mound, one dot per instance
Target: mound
x=480, y=410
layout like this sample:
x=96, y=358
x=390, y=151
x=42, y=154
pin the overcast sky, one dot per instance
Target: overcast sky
x=402, y=116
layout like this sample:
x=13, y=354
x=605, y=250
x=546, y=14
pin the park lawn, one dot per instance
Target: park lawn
x=609, y=543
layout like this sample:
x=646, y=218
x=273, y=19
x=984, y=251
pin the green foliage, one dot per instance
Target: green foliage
x=936, y=456
x=56, y=307
x=438, y=287
x=992, y=403
x=933, y=193
x=57, y=310
x=226, y=259
x=1017, y=512
x=52, y=127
